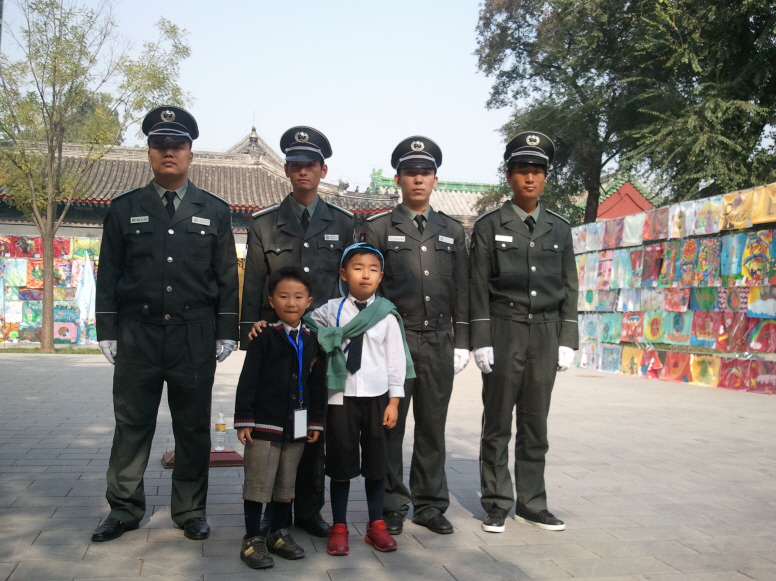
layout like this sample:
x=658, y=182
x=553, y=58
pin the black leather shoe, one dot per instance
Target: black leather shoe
x=439, y=525
x=315, y=525
x=394, y=522
x=282, y=544
x=111, y=528
x=266, y=522
x=196, y=528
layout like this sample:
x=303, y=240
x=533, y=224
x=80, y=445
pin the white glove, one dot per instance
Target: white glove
x=565, y=358
x=460, y=359
x=224, y=348
x=109, y=349
x=483, y=357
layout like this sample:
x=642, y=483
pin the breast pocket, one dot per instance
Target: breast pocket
x=279, y=254
x=445, y=257
x=508, y=257
x=200, y=241
x=139, y=239
x=329, y=255
x=398, y=258
x=552, y=253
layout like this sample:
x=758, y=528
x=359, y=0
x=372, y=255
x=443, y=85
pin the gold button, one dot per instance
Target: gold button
x=511, y=304
x=423, y=248
x=306, y=245
x=169, y=259
x=170, y=231
x=167, y=317
x=277, y=250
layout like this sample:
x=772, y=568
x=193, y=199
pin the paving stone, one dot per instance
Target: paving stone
x=437, y=573
x=716, y=562
x=55, y=570
x=533, y=552
x=486, y=572
x=639, y=548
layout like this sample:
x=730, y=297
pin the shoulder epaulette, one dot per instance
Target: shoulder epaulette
x=216, y=196
x=265, y=210
x=343, y=210
x=376, y=216
x=487, y=214
x=124, y=193
x=448, y=216
x=559, y=216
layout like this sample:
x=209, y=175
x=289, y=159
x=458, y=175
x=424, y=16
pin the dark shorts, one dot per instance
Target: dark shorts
x=358, y=422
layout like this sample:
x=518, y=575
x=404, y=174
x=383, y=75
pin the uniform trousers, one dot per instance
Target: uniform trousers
x=310, y=480
x=525, y=363
x=430, y=391
x=150, y=355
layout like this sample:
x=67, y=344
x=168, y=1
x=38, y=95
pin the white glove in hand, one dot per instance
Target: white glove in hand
x=565, y=358
x=224, y=348
x=109, y=349
x=461, y=359
x=483, y=357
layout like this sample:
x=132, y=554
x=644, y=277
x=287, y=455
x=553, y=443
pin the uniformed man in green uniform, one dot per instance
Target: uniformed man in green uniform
x=167, y=293
x=426, y=266
x=524, y=329
x=307, y=232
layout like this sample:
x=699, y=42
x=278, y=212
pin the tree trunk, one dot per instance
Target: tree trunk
x=593, y=186
x=47, y=329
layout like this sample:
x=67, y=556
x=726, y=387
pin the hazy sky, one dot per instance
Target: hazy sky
x=366, y=73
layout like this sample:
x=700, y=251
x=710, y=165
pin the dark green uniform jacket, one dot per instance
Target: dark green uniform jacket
x=155, y=269
x=521, y=276
x=425, y=274
x=276, y=239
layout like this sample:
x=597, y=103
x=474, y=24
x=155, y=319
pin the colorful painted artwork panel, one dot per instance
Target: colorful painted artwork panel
x=651, y=299
x=705, y=328
x=762, y=302
x=581, y=301
x=604, y=277
x=32, y=312
x=764, y=205
x=24, y=247
x=676, y=300
x=656, y=223
x=595, y=236
x=6, y=246
x=765, y=383
x=652, y=364
x=762, y=337
x=588, y=328
x=611, y=356
x=61, y=247
x=29, y=332
x=677, y=368
x=34, y=273
x=82, y=246
x=65, y=313
x=30, y=294
x=621, y=269
x=2, y=267
x=705, y=370
x=756, y=260
x=9, y=331
x=736, y=210
x=65, y=333
x=13, y=311
x=633, y=229
x=613, y=231
x=734, y=374
x=733, y=299
x=631, y=360
x=652, y=264
x=62, y=272
x=632, y=328
x=581, y=260
x=686, y=263
x=629, y=300
x=731, y=258
x=578, y=238
x=64, y=294
x=678, y=328
x=707, y=267
x=733, y=332
x=668, y=269
x=704, y=299
x=11, y=293
x=16, y=272
x=589, y=355
x=682, y=220
x=636, y=266
x=607, y=301
x=591, y=270
x=708, y=214
x=654, y=326
x=591, y=300
x=611, y=327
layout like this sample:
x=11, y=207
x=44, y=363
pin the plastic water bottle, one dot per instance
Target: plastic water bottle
x=220, y=432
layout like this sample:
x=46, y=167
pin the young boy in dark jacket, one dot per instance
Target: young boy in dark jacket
x=279, y=406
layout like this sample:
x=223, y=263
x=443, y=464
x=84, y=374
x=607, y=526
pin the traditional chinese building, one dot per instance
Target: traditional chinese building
x=622, y=194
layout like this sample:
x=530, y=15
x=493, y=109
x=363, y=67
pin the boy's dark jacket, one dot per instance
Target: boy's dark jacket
x=268, y=390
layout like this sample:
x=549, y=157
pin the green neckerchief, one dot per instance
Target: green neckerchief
x=330, y=339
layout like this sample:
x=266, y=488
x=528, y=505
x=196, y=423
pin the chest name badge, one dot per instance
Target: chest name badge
x=446, y=240
x=203, y=221
x=396, y=238
x=331, y=237
x=502, y=238
x=138, y=219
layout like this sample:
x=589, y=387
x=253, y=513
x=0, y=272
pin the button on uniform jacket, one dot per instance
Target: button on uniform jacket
x=276, y=239
x=268, y=390
x=163, y=270
x=521, y=276
x=425, y=274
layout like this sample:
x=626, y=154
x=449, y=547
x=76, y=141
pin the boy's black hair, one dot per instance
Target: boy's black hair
x=359, y=251
x=289, y=273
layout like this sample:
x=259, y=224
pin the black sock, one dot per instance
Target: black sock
x=252, y=518
x=375, y=498
x=339, y=501
x=281, y=512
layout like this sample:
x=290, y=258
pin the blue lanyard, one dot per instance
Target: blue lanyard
x=298, y=348
x=339, y=312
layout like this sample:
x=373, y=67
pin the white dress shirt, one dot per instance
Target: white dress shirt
x=383, y=365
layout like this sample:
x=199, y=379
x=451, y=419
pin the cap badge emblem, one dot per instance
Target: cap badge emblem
x=532, y=140
x=301, y=137
x=417, y=146
x=168, y=116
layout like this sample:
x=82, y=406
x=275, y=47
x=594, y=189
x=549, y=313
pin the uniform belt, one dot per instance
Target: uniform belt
x=148, y=314
x=520, y=315
x=422, y=323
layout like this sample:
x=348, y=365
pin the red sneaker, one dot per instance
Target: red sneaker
x=377, y=535
x=338, y=540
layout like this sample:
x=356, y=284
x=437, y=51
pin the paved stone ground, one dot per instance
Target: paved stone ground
x=655, y=481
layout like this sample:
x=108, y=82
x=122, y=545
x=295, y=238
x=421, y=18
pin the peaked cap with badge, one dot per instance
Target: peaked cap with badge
x=416, y=152
x=530, y=147
x=170, y=125
x=303, y=143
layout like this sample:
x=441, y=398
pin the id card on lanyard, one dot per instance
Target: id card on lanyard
x=300, y=414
